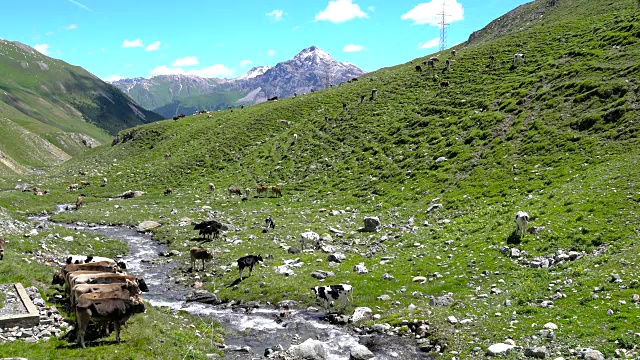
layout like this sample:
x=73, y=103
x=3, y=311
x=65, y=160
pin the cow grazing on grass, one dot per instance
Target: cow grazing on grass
x=105, y=181
x=444, y=84
x=167, y=155
x=79, y=202
x=72, y=187
x=199, y=253
x=169, y=191
x=418, y=68
x=518, y=59
x=522, y=219
x=212, y=187
x=262, y=189
x=236, y=191
x=269, y=224
x=295, y=138
x=374, y=93
x=115, y=311
x=1, y=249
x=328, y=295
x=453, y=53
x=276, y=191
x=311, y=237
x=208, y=228
x=248, y=262
x=275, y=98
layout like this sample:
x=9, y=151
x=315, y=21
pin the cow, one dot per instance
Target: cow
x=262, y=189
x=453, y=53
x=248, y=262
x=374, y=93
x=72, y=187
x=1, y=249
x=209, y=227
x=84, y=183
x=444, y=84
x=492, y=59
x=104, y=278
x=295, y=138
x=328, y=295
x=309, y=236
x=104, y=291
x=104, y=181
x=83, y=259
x=269, y=223
x=79, y=202
x=276, y=191
x=275, y=98
x=199, y=253
x=236, y=191
x=434, y=59
x=169, y=191
x=522, y=218
x=518, y=59
x=418, y=68
x=116, y=311
x=212, y=187
x=167, y=155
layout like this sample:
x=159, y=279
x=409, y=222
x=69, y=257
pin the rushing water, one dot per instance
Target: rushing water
x=259, y=329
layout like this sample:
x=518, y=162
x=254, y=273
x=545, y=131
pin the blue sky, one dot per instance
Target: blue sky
x=141, y=38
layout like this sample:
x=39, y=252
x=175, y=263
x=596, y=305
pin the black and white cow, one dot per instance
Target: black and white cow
x=248, y=262
x=84, y=259
x=522, y=219
x=328, y=295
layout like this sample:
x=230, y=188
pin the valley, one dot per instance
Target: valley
x=443, y=168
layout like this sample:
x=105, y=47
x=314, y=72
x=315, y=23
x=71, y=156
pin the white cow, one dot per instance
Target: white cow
x=522, y=218
x=309, y=236
x=518, y=59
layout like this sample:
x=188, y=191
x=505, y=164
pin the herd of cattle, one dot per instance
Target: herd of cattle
x=99, y=289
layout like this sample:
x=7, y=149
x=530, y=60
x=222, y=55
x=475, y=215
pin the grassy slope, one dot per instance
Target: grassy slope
x=189, y=105
x=556, y=137
x=53, y=104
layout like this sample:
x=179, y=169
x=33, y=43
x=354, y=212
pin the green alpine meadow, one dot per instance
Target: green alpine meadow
x=444, y=157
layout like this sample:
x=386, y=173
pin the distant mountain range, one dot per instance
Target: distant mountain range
x=169, y=95
x=51, y=111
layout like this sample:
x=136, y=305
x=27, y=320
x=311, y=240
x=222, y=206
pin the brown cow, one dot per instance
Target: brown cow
x=79, y=202
x=262, y=189
x=236, y=191
x=115, y=311
x=105, y=291
x=199, y=253
x=276, y=190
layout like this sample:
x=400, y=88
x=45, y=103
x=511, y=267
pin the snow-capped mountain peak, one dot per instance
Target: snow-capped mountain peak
x=312, y=52
x=255, y=71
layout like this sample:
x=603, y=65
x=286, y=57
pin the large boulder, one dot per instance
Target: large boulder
x=361, y=314
x=308, y=350
x=360, y=352
x=148, y=225
x=371, y=224
x=499, y=349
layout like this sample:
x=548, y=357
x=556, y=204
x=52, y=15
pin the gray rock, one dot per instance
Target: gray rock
x=308, y=350
x=592, y=355
x=360, y=352
x=539, y=352
x=452, y=320
x=293, y=250
x=361, y=314
x=441, y=159
x=147, y=225
x=337, y=258
x=360, y=268
x=498, y=349
x=384, y=297
x=445, y=300
x=371, y=224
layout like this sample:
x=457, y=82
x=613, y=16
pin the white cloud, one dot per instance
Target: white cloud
x=71, y=27
x=245, y=63
x=132, y=43
x=217, y=70
x=186, y=61
x=427, y=13
x=429, y=44
x=42, y=48
x=153, y=46
x=353, y=48
x=276, y=15
x=340, y=11
x=271, y=52
x=113, y=77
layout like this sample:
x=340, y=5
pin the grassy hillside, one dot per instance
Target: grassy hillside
x=556, y=137
x=191, y=104
x=47, y=106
